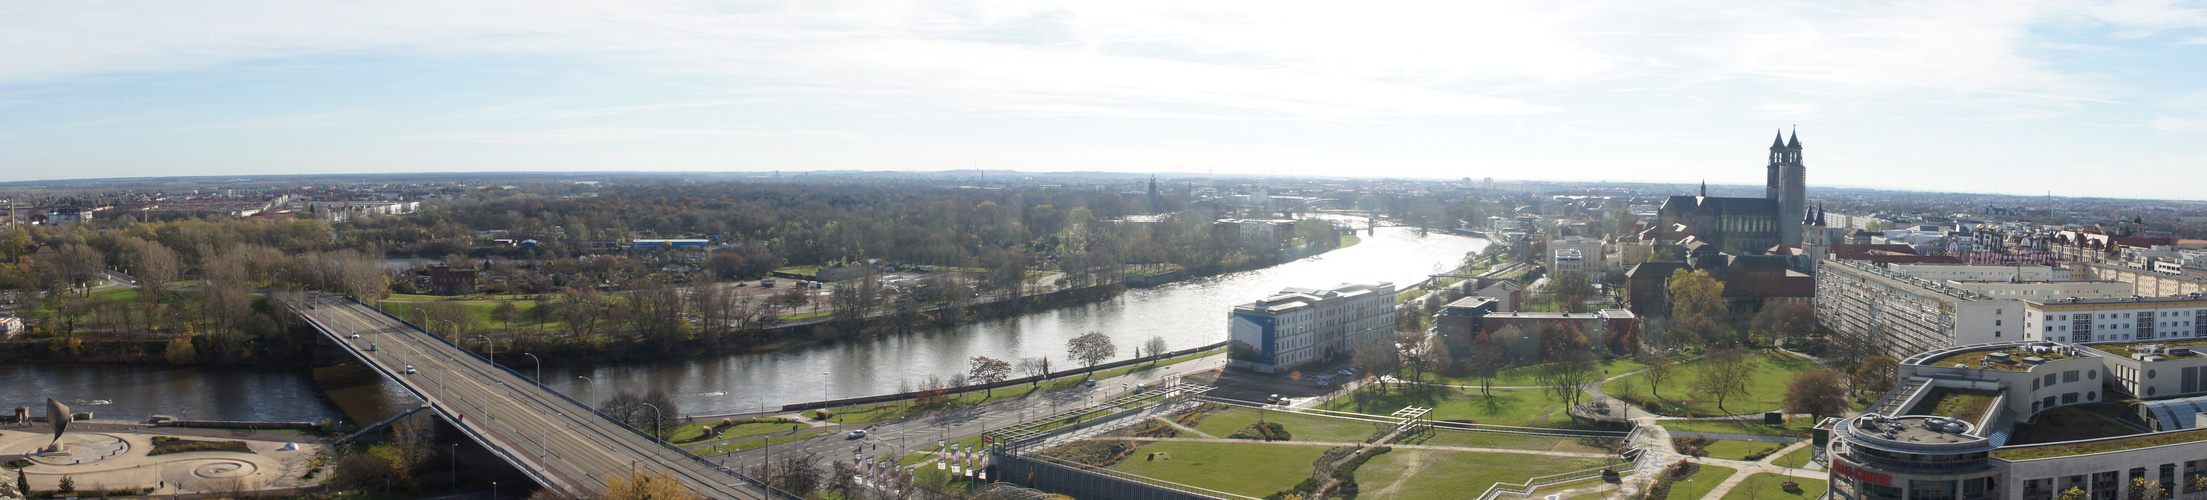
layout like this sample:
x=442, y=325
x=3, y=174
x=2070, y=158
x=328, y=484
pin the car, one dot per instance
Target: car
x=1347, y=372
x=857, y=434
x=356, y=335
x=1090, y=383
x=1275, y=399
x=410, y=369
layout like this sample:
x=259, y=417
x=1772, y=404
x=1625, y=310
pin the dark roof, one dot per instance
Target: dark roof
x=1721, y=204
x=1795, y=143
x=1779, y=141
x=1653, y=269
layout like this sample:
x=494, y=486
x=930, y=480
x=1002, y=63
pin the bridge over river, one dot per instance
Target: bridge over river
x=561, y=443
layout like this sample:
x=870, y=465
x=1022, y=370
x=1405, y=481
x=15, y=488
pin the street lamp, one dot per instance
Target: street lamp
x=539, y=368
x=655, y=417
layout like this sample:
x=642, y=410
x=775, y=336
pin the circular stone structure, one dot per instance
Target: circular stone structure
x=82, y=448
x=217, y=468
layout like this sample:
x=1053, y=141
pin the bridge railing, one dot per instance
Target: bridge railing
x=593, y=410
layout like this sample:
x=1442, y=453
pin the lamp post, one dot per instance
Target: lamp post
x=539, y=367
x=655, y=416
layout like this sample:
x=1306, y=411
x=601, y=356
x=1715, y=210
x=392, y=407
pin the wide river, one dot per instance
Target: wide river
x=1187, y=314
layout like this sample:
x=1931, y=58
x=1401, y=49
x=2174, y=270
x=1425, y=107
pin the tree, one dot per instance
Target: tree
x=1876, y=374
x=1698, y=310
x=1156, y=347
x=2143, y=489
x=506, y=313
x=1658, y=369
x=1486, y=363
x=988, y=371
x=1818, y=392
x=1090, y=348
x=1570, y=290
x=637, y=409
x=1416, y=356
x=1724, y=374
x=793, y=474
x=646, y=484
x=1779, y=321
x=1378, y=357
x=2073, y=493
x=1039, y=368
x=582, y=308
x=1559, y=340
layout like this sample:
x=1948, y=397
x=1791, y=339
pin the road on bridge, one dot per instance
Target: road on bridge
x=561, y=443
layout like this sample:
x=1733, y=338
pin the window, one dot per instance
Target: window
x=2069, y=376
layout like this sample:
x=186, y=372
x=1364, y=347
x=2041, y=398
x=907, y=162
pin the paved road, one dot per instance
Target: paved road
x=562, y=444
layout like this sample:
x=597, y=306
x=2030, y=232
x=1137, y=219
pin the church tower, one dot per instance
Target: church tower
x=1788, y=184
x=1815, y=238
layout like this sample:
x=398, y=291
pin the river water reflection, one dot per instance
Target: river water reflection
x=1186, y=314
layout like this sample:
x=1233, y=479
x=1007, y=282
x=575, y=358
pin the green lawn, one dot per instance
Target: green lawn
x=899, y=409
x=1299, y=427
x=1767, y=486
x=689, y=433
x=1510, y=441
x=1767, y=385
x=758, y=443
x=1739, y=450
x=1243, y=469
x=1451, y=475
x=1797, y=459
x=1798, y=427
x=1526, y=375
x=1698, y=485
x=1519, y=407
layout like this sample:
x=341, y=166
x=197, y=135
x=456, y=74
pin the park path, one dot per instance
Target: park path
x=1765, y=465
x=1572, y=454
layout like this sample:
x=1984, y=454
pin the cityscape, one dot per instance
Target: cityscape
x=1020, y=252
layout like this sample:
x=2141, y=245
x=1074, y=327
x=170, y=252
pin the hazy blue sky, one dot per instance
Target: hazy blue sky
x=2077, y=98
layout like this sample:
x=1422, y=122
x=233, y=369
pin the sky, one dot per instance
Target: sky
x=2072, y=98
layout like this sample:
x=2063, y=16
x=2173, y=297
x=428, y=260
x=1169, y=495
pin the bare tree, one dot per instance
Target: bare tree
x=1724, y=374
x=1091, y=348
x=1818, y=392
x=1486, y=363
x=1156, y=347
x=1038, y=368
x=1658, y=369
x=988, y=371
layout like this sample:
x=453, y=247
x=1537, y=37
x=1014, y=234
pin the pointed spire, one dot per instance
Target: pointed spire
x=1794, y=143
x=1779, y=141
x=1704, y=188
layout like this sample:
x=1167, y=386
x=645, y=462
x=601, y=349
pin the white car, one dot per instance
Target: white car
x=356, y=335
x=410, y=369
x=857, y=434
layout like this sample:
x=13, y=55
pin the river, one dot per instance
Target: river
x=1187, y=314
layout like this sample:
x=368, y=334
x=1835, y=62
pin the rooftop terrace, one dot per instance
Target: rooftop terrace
x=2129, y=349
x=2014, y=359
x=2099, y=446
x=1964, y=404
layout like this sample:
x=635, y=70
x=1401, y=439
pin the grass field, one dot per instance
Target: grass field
x=1767, y=486
x=1520, y=407
x=1526, y=375
x=1698, y=485
x=689, y=433
x=1299, y=427
x=1243, y=469
x=1739, y=450
x=1451, y=475
x=759, y=443
x=1798, y=427
x=900, y=409
x=1797, y=459
x=1767, y=385
x=1510, y=441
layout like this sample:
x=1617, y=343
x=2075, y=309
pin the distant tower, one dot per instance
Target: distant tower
x=1815, y=238
x=1156, y=201
x=1788, y=183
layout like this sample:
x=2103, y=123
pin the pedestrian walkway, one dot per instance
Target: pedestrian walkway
x=1765, y=465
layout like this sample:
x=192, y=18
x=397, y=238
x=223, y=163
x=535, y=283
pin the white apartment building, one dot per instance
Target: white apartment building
x=2117, y=319
x=1300, y=326
x=2046, y=291
x=1970, y=272
x=1905, y=314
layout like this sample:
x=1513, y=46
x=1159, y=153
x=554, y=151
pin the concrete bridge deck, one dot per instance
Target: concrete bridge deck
x=562, y=443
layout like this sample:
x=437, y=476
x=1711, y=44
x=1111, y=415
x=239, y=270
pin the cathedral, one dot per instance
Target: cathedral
x=1741, y=226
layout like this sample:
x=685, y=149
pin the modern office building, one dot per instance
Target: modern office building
x=2120, y=319
x=1958, y=426
x=1300, y=326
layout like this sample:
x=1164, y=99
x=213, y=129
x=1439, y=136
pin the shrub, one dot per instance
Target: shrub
x=1262, y=431
x=163, y=445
